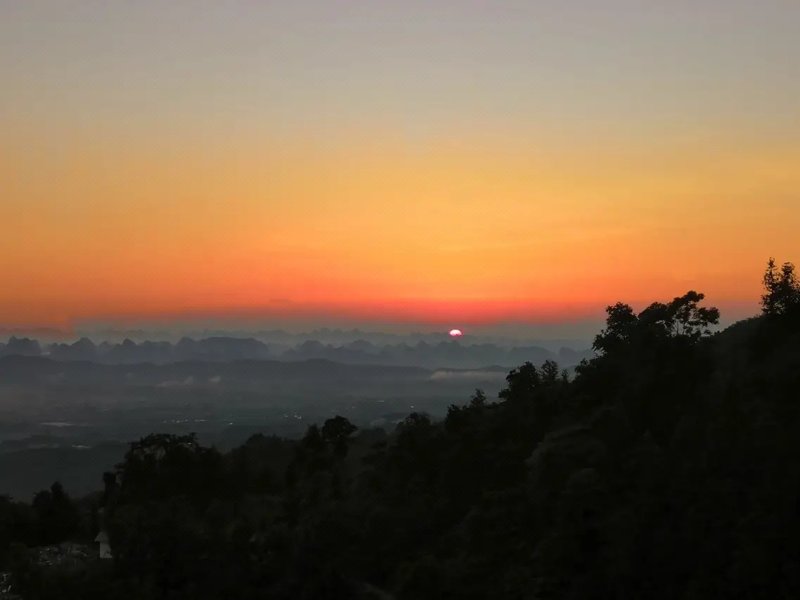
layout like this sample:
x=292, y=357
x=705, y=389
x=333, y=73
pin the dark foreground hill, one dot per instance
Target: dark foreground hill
x=666, y=468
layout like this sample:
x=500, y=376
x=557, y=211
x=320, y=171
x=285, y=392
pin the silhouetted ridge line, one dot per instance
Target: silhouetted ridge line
x=444, y=354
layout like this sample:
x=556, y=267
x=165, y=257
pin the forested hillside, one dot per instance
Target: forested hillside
x=665, y=468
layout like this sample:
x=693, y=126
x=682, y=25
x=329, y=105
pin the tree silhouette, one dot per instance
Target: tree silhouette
x=683, y=318
x=781, y=289
x=336, y=432
x=522, y=382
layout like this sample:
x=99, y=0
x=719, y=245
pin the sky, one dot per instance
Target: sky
x=457, y=164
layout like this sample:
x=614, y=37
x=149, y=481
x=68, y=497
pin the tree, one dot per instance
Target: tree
x=550, y=371
x=110, y=488
x=620, y=322
x=336, y=432
x=683, y=318
x=478, y=399
x=522, y=382
x=312, y=440
x=57, y=514
x=781, y=289
x=164, y=465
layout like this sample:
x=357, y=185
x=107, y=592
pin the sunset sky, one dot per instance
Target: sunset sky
x=435, y=162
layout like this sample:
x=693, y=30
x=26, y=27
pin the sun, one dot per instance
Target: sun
x=455, y=333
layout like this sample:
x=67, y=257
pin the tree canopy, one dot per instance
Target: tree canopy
x=781, y=289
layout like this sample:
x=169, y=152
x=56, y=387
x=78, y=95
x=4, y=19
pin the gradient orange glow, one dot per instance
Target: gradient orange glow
x=471, y=229
x=500, y=217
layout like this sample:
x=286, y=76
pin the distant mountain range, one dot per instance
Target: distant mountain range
x=431, y=355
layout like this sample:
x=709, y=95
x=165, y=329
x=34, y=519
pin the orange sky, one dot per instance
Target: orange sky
x=198, y=205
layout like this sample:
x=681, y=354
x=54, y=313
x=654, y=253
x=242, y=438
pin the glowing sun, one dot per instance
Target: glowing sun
x=454, y=333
